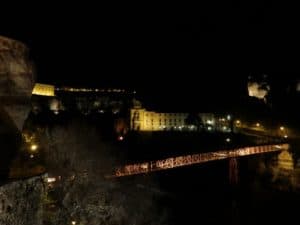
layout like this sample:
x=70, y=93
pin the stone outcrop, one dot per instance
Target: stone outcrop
x=16, y=84
x=16, y=80
x=21, y=202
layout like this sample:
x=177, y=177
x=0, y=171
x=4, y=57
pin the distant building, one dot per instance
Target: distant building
x=43, y=90
x=83, y=100
x=91, y=90
x=144, y=120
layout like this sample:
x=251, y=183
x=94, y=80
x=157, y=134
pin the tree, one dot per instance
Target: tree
x=78, y=154
x=195, y=120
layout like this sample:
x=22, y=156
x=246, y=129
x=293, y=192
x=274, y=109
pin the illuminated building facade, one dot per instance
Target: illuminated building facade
x=144, y=120
x=43, y=90
x=80, y=100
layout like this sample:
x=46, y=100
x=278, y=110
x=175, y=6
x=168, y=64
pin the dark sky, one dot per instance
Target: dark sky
x=196, y=49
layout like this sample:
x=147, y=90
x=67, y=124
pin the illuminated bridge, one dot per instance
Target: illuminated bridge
x=179, y=161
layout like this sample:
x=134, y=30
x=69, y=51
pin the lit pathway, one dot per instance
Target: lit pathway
x=173, y=162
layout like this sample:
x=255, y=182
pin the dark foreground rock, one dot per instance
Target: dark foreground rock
x=21, y=202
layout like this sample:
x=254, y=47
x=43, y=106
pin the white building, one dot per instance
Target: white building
x=144, y=120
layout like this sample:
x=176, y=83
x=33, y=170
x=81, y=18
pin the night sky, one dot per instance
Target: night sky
x=173, y=50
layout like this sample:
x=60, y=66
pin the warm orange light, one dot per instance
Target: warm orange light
x=281, y=128
x=51, y=179
x=257, y=124
x=33, y=147
x=185, y=160
x=43, y=90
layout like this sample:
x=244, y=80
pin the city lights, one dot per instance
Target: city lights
x=33, y=147
x=205, y=138
x=173, y=162
x=120, y=138
x=51, y=179
x=209, y=122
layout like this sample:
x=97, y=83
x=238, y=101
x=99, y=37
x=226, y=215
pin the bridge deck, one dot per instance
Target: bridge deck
x=173, y=162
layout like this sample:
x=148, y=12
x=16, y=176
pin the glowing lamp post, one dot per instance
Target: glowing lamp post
x=33, y=147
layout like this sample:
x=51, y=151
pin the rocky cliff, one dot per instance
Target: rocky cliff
x=20, y=201
x=16, y=80
x=16, y=84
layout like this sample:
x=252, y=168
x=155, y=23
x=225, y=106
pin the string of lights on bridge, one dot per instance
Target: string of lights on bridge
x=179, y=161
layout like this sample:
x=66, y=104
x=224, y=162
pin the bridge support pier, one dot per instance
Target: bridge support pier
x=233, y=181
x=233, y=171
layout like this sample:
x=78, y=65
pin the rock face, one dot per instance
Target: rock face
x=21, y=202
x=16, y=80
x=16, y=84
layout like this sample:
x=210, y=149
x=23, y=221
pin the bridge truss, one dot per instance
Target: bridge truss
x=179, y=161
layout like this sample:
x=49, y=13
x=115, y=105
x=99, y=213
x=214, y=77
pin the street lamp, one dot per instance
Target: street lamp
x=282, y=128
x=33, y=147
x=257, y=124
x=120, y=138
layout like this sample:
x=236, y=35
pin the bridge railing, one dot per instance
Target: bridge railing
x=179, y=161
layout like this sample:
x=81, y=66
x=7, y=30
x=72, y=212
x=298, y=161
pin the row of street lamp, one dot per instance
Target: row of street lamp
x=238, y=123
